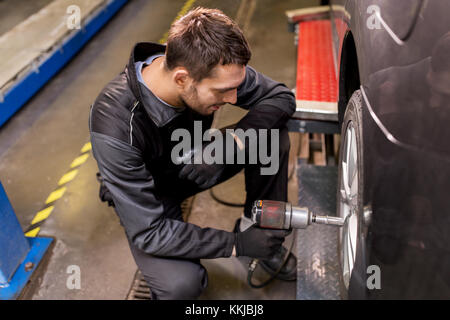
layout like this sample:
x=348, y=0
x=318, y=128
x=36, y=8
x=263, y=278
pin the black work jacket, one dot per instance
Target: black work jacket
x=130, y=134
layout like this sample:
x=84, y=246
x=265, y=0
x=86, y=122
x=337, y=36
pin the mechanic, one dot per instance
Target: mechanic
x=166, y=87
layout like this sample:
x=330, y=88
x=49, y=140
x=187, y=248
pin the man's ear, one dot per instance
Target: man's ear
x=181, y=77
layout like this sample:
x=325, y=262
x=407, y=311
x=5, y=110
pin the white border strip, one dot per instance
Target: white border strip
x=399, y=41
x=377, y=120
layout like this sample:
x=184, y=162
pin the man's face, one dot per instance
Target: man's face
x=210, y=93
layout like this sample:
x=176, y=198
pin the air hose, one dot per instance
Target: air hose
x=254, y=262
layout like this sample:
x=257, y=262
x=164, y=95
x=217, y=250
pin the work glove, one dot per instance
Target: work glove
x=203, y=174
x=207, y=173
x=259, y=243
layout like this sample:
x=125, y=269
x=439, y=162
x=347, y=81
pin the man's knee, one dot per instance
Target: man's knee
x=187, y=285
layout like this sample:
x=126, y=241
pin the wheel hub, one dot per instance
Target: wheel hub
x=348, y=208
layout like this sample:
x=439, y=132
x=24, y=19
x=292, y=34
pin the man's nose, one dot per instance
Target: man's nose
x=230, y=97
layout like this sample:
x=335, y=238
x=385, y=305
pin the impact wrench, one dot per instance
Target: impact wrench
x=283, y=215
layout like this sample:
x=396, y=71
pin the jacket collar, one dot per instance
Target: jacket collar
x=160, y=113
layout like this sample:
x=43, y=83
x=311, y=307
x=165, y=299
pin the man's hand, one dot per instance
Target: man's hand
x=204, y=175
x=259, y=243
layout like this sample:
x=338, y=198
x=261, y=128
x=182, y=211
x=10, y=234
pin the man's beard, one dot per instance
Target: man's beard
x=191, y=96
x=190, y=100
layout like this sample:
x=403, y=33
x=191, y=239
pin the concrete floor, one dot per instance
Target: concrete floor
x=38, y=144
x=13, y=12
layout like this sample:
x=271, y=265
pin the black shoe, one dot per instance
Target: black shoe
x=289, y=270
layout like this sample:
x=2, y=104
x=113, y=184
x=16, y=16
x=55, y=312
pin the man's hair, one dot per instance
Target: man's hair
x=203, y=39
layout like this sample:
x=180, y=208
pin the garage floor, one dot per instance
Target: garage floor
x=14, y=12
x=40, y=142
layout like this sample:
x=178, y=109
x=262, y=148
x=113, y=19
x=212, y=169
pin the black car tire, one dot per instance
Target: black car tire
x=354, y=286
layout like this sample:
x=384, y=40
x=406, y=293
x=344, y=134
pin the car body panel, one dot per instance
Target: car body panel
x=400, y=19
x=405, y=79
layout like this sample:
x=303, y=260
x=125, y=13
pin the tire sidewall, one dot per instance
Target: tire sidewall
x=353, y=116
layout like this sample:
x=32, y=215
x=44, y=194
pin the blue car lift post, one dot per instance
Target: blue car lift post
x=19, y=255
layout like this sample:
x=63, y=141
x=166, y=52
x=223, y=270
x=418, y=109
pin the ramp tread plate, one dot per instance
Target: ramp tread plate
x=298, y=15
x=318, y=265
x=316, y=83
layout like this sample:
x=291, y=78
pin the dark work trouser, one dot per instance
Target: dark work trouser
x=177, y=278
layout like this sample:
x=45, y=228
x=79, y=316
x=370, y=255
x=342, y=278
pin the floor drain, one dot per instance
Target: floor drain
x=139, y=288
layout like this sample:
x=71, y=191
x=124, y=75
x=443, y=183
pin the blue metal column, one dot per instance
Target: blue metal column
x=19, y=255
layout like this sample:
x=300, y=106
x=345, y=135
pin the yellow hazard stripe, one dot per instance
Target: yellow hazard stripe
x=55, y=195
x=79, y=160
x=69, y=176
x=32, y=233
x=42, y=215
x=87, y=147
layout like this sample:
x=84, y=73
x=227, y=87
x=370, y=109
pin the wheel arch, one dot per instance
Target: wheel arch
x=349, y=78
